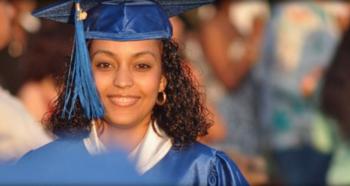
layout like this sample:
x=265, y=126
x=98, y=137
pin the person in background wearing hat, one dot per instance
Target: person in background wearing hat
x=126, y=87
x=19, y=133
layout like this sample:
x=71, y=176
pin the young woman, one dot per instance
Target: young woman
x=150, y=103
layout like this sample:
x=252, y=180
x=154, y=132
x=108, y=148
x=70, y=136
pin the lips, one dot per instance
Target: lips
x=123, y=101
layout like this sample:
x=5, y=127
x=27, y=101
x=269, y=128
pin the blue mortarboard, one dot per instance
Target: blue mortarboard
x=121, y=20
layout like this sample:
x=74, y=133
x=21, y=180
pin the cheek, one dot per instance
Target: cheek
x=149, y=84
x=102, y=81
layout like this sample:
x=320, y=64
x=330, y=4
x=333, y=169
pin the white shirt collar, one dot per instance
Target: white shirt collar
x=153, y=147
x=93, y=143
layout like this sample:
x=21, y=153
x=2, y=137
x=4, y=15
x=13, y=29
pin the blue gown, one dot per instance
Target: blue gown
x=196, y=164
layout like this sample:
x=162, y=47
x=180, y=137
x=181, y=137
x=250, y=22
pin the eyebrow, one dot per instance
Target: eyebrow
x=136, y=55
x=103, y=52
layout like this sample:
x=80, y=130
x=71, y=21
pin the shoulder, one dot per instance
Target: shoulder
x=56, y=159
x=58, y=149
x=217, y=166
x=59, y=145
x=68, y=161
x=199, y=150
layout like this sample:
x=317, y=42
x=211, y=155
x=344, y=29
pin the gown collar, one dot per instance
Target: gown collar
x=152, y=148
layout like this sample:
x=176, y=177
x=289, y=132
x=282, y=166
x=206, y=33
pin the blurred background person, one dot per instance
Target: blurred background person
x=298, y=45
x=230, y=55
x=19, y=133
x=231, y=33
x=23, y=25
x=40, y=66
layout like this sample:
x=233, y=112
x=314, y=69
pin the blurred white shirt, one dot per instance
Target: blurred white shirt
x=19, y=133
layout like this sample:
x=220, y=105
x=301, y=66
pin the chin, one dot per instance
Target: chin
x=121, y=122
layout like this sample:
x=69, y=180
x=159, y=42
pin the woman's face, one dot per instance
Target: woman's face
x=128, y=78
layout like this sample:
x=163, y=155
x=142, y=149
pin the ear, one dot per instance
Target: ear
x=163, y=83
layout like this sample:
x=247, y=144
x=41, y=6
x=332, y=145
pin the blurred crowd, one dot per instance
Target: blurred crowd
x=275, y=74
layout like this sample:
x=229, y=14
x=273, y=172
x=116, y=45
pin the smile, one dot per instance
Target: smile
x=123, y=101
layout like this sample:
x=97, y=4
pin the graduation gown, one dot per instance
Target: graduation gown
x=197, y=164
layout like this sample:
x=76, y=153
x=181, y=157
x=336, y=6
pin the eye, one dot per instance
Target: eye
x=103, y=66
x=142, y=66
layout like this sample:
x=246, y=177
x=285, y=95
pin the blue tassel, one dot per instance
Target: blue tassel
x=80, y=83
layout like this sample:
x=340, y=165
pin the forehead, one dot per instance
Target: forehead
x=126, y=46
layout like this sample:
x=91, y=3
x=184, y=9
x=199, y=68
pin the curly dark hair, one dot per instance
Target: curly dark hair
x=184, y=116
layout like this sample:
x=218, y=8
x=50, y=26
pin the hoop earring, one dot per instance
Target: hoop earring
x=162, y=100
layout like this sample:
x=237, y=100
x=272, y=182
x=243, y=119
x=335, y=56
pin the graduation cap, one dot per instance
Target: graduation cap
x=120, y=20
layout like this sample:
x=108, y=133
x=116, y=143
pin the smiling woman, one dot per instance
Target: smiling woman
x=128, y=77
x=151, y=105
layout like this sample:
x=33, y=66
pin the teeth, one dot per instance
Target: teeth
x=123, y=101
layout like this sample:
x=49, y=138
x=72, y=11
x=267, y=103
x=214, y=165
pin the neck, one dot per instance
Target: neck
x=126, y=138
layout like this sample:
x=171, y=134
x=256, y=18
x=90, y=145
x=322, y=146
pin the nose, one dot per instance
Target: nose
x=123, y=78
